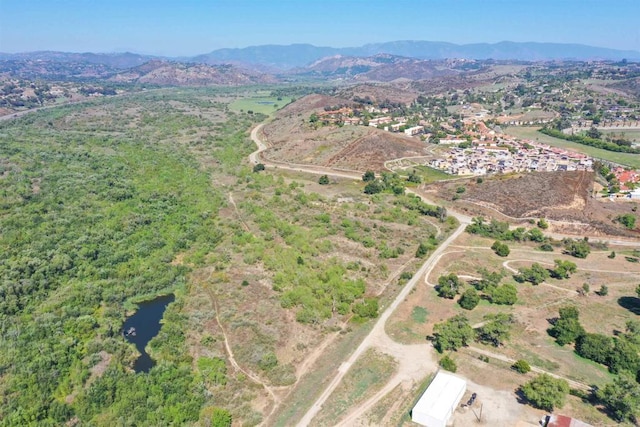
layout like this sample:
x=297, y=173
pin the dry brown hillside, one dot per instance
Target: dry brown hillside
x=294, y=139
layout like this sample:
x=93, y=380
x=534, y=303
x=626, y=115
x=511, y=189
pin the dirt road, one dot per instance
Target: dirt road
x=378, y=332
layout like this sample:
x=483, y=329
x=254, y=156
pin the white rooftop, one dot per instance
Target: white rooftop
x=437, y=403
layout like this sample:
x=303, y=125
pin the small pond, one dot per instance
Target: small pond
x=143, y=325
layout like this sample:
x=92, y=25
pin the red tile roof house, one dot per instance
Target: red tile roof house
x=626, y=176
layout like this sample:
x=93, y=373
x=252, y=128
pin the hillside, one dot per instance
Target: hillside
x=179, y=74
x=293, y=139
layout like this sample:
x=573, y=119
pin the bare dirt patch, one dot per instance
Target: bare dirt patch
x=568, y=198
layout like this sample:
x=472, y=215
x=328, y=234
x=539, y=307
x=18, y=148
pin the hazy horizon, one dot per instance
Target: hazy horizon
x=192, y=27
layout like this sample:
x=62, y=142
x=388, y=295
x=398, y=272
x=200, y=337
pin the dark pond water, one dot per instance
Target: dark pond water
x=146, y=323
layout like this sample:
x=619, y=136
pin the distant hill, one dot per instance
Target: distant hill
x=113, y=60
x=384, y=67
x=403, y=56
x=299, y=55
x=166, y=73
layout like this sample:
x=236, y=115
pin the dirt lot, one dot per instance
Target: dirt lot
x=293, y=139
x=568, y=198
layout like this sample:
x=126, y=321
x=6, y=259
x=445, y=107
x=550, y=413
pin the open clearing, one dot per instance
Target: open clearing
x=494, y=381
x=263, y=104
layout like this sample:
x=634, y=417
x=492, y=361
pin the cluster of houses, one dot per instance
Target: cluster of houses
x=510, y=156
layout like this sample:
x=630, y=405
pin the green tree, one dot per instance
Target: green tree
x=496, y=329
x=258, y=167
x=603, y=291
x=414, y=177
x=596, y=347
x=506, y=294
x=577, y=248
x=545, y=392
x=366, y=309
x=622, y=398
x=521, y=366
x=500, y=249
x=624, y=356
x=543, y=224
x=373, y=187
x=448, y=363
x=448, y=286
x=628, y=220
x=535, y=235
x=452, y=334
x=489, y=278
x=564, y=269
x=469, y=299
x=324, y=180
x=211, y=416
x=369, y=176
x=534, y=275
x=567, y=328
x=213, y=369
x=423, y=249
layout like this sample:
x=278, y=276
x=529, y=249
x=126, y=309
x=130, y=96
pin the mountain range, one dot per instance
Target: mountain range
x=279, y=58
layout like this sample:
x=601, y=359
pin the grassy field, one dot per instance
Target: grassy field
x=429, y=174
x=366, y=376
x=260, y=104
x=632, y=160
x=631, y=135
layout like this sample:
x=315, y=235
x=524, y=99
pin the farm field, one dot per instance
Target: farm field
x=524, y=132
x=631, y=135
x=265, y=104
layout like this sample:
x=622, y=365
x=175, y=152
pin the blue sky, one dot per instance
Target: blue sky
x=189, y=27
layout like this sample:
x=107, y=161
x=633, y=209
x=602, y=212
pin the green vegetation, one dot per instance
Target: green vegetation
x=448, y=286
x=500, y=230
x=628, y=220
x=419, y=314
x=469, y=299
x=506, y=294
x=563, y=269
x=369, y=176
x=259, y=105
x=622, y=398
x=448, y=364
x=567, y=329
x=577, y=248
x=452, y=334
x=535, y=275
x=496, y=329
x=91, y=221
x=501, y=249
x=323, y=180
x=521, y=366
x=545, y=392
x=590, y=141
